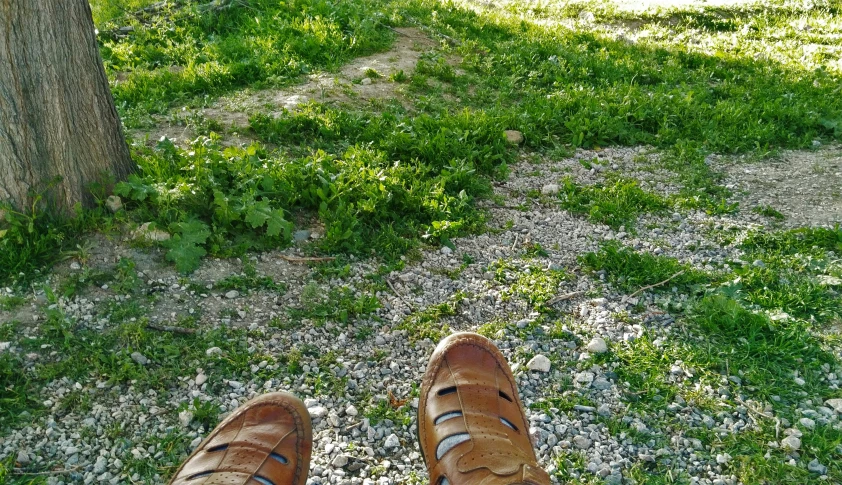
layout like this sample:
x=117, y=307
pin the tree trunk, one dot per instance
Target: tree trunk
x=59, y=129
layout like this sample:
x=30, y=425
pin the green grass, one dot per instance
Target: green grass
x=190, y=51
x=766, y=352
x=630, y=271
x=84, y=354
x=338, y=304
x=769, y=211
x=616, y=203
x=562, y=88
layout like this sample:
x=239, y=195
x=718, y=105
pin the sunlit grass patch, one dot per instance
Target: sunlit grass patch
x=615, y=203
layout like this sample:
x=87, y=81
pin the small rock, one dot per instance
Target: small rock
x=201, y=379
x=799, y=381
x=446, y=250
x=114, y=203
x=602, y=384
x=340, y=461
x=391, y=442
x=816, y=467
x=301, y=236
x=232, y=294
x=604, y=410
x=139, y=358
x=213, y=351
x=581, y=442
x=351, y=410
x=597, y=345
x=184, y=417
x=586, y=16
x=514, y=137
x=807, y=423
x=146, y=233
x=23, y=458
x=791, y=443
x=539, y=363
x=317, y=411
x=75, y=266
x=101, y=465
x=584, y=378
x=723, y=458
x=836, y=404
x=366, y=81
x=550, y=189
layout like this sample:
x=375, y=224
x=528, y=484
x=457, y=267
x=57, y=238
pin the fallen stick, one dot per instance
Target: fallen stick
x=302, y=260
x=649, y=287
x=395, y=291
x=167, y=328
x=18, y=471
x=566, y=296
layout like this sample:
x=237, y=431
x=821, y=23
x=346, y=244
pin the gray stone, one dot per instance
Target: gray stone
x=392, y=442
x=317, y=411
x=539, y=363
x=550, y=189
x=184, y=417
x=232, y=294
x=791, y=443
x=114, y=203
x=351, y=410
x=213, y=351
x=101, y=465
x=601, y=384
x=145, y=233
x=836, y=404
x=597, y=345
x=23, y=458
x=514, y=137
x=582, y=442
x=816, y=467
x=301, y=235
x=139, y=358
x=340, y=461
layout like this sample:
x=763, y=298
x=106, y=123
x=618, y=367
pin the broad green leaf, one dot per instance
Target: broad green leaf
x=184, y=254
x=277, y=223
x=194, y=231
x=258, y=214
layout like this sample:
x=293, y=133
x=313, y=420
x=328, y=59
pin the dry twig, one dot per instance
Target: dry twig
x=566, y=296
x=167, y=328
x=395, y=291
x=18, y=471
x=302, y=260
x=649, y=287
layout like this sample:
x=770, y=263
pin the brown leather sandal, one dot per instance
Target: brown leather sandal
x=266, y=441
x=471, y=424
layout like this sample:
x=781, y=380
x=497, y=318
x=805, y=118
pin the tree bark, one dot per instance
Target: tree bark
x=59, y=129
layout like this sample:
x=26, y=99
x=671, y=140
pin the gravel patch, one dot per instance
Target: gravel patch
x=359, y=377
